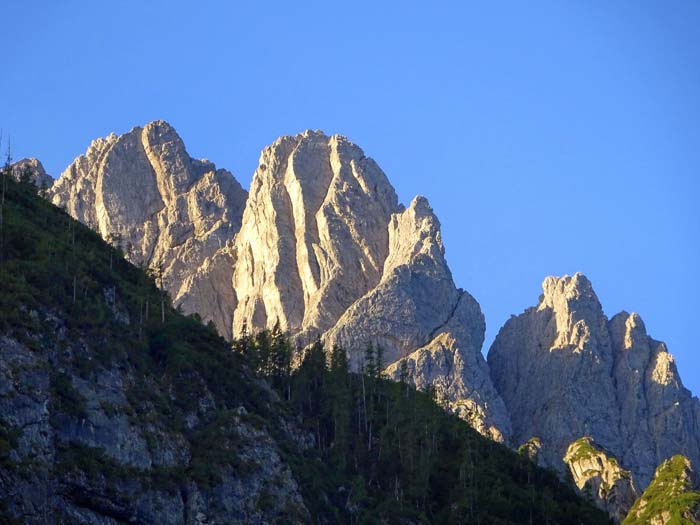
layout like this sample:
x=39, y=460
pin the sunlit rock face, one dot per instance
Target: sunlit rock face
x=142, y=191
x=33, y=170
x=314, y=236
x=565, y=371
x=325, y=249
x=600, y=476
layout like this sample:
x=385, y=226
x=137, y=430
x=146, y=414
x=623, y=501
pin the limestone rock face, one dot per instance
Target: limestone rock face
x=596, y=473
x=658, y=416
x=322, y=249
x=142, y=190
x=34, y=170
x=418, y=316
x=415, y=296
x=314, y=234
x=565, y=371
x=671, y=497
x=325, y=249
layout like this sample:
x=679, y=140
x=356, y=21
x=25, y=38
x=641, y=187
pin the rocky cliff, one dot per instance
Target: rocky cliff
x=326, y=250
x=314, y=235
x=322, y=249
x=599, y=476
x=168, y=212
x=426, y=325
x=565, y=371
x=34, y=171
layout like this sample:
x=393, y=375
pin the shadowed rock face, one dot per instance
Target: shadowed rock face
x=166, y=210
x=130, y=450
x=564, y=371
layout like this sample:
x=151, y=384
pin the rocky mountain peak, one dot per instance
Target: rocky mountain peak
x=314, y=235
x=577, y=312
x=34, y=169
x=320, y=247
x=326, y=249
x=628, y=331
x=414, y=233
x=166, y=210
x=427, y=327
x=575, y=289
x=565, y=371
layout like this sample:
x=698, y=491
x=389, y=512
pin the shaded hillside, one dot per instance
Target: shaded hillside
x=115, y=408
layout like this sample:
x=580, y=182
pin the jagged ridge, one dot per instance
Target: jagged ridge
x=565, y=371
x=322, y=237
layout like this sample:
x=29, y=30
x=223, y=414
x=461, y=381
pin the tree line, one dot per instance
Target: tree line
x=392, y=453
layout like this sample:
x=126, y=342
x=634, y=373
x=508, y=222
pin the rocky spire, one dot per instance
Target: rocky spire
x=34, y=170
x=564, y=372
x=418, y=316
x=658, y=415
x=166, y=210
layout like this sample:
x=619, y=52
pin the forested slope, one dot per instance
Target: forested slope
x=116, y=408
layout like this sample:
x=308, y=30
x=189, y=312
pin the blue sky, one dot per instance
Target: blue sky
x=549, y=137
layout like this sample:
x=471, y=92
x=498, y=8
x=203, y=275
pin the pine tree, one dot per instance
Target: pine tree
x=261, y=358
x=280, y=366
x=378, y=361
x=5, y=174
x=340, y=400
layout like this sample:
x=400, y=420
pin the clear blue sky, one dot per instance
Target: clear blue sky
x=550, y=137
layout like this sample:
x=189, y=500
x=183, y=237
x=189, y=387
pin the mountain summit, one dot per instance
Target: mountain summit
x=565, y=371
x=167, y=211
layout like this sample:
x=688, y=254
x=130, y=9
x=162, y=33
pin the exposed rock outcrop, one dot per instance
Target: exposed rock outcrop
x=671, y=497
x=325, y=249
x=34, y=171
x=565, y=371
x=93, y=448
x=314, y=235
x=600, y=476
x=166, y=210
x=418, y=315
x=658, y=416
x=531, y=450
